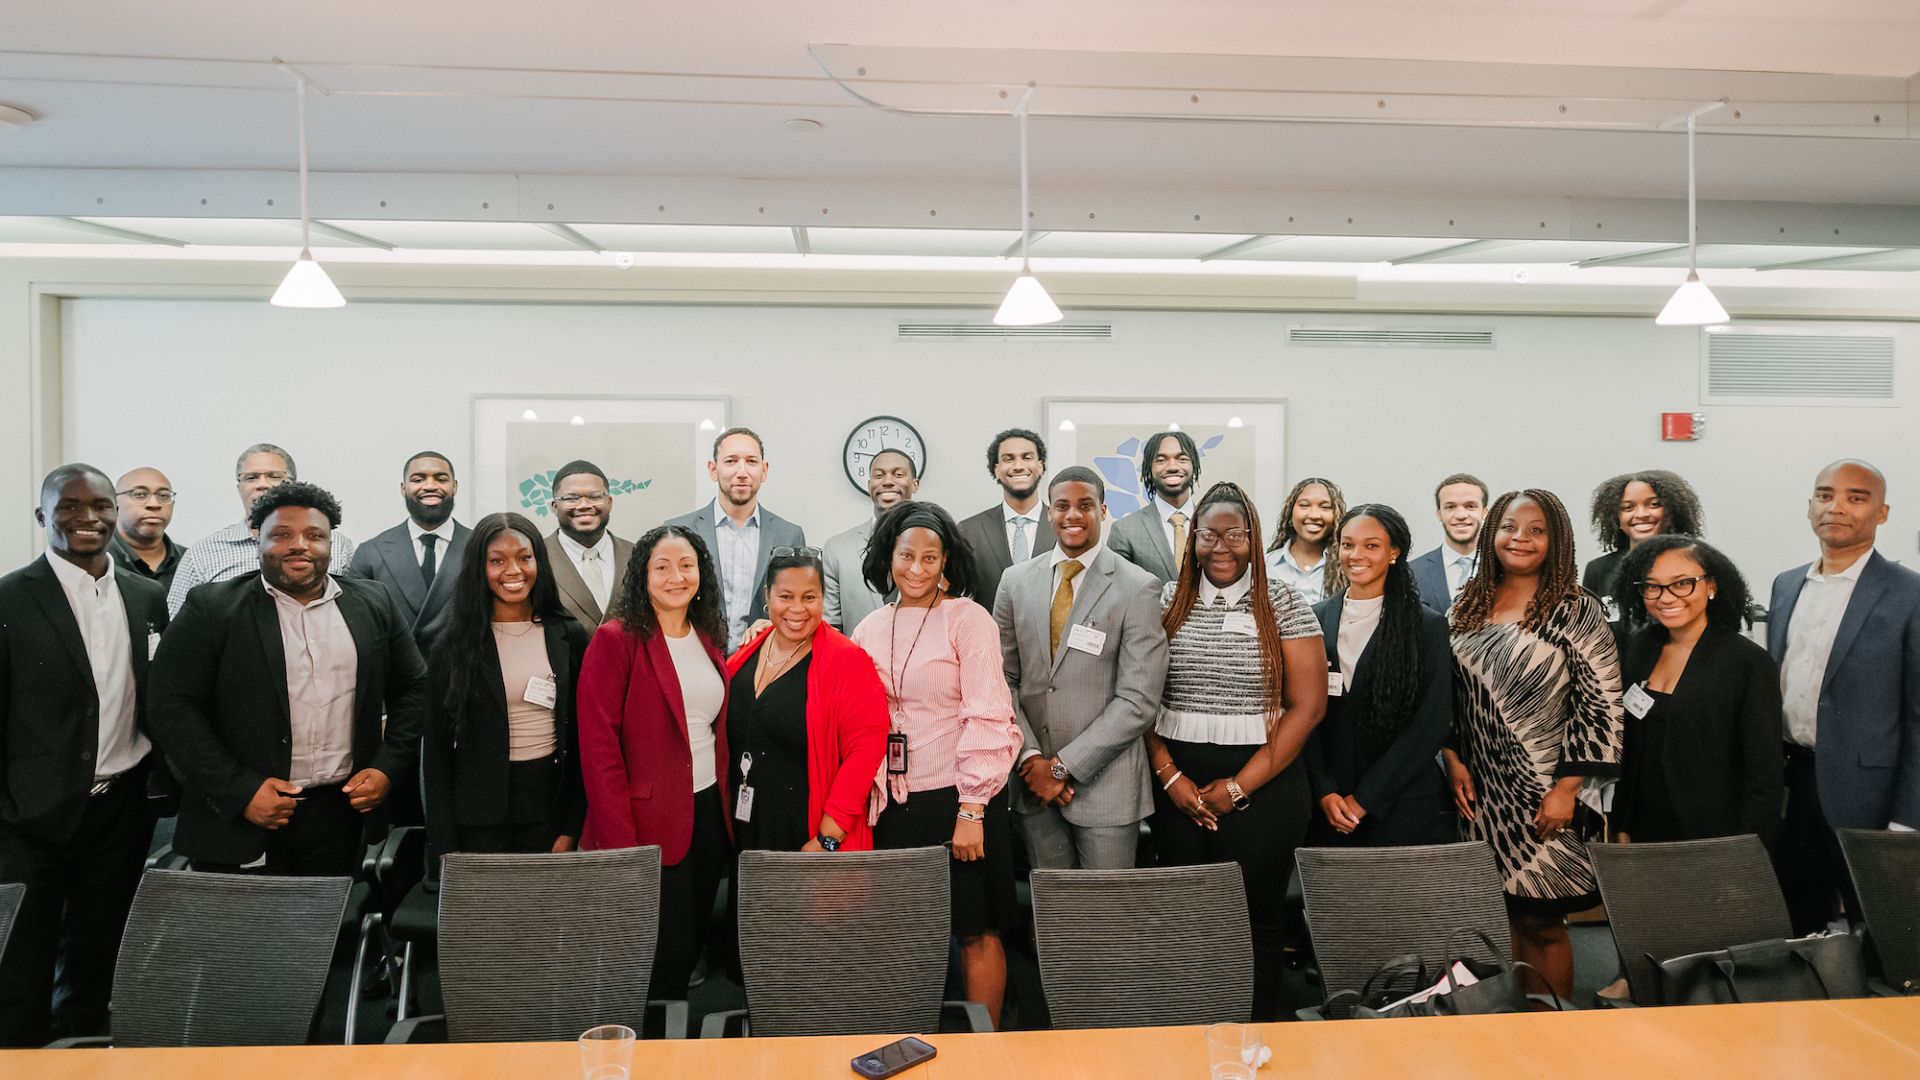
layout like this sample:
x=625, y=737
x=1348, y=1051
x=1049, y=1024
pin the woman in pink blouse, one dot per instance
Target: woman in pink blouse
x=953, y=736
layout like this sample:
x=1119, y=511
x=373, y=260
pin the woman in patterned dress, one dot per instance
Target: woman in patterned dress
x=1537, y=712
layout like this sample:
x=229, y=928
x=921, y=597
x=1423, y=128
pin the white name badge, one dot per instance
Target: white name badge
x=1239, y=622
x=1336, y=683
x=743, y=804
x=1086, y=639
x=1637, y=701
x=542, y=690
x=153, y=645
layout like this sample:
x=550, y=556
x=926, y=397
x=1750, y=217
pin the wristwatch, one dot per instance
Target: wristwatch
x=1240, y=800
x=827, y=843
x=1060, y=770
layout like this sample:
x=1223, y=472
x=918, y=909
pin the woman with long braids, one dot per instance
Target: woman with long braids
x=1245, y=685
x=1371, y=761
x=1301, y=555
x=953, y=736
x=500, y=755
x=1536, y=714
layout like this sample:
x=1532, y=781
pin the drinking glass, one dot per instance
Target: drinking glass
x=606, y=1052
x=1235, y=1044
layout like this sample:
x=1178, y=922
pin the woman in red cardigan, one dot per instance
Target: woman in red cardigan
x=652, y=749
x=806, y=721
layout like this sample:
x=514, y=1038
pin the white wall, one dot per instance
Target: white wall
x=1562, y=403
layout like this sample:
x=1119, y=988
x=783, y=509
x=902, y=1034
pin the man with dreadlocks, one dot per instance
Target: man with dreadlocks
x=1536, y=713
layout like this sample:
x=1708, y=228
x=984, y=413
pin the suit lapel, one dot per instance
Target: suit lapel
x=266, y=631
x=1866, y=594
x=1781, y=616
x=567, y=577
x=53, y=603
x=1000, y=549
x=368, y=650
x=453, y=553
x=764, y=554
x=1088, y=588
x=669, y=681
x=1043, y=536
x=397, y=553
x=1155, y=525
x=622, y=555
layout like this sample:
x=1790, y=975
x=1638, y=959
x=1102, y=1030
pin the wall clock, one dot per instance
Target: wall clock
x=871, y=436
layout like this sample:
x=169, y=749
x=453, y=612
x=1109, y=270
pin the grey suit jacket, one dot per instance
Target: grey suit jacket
x=986, y=534
x=574, y=594
x=848, y=598
x=775, y=531
x=1141, y=539
x=1089, y=711
x=388, y=559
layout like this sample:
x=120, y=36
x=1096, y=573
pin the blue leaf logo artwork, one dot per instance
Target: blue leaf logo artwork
x=1121, y=471
x=536, y=491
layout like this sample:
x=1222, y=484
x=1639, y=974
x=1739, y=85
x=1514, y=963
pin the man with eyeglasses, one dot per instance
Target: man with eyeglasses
x=235, y=550
x=140, y=541
x=588, y=562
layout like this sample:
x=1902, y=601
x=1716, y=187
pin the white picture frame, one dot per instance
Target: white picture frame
x=1251, y=433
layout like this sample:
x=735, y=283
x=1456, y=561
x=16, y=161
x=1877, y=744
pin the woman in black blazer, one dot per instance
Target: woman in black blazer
x=1628, y=510
x=500, y=760
x=1702, y=752
x=1372, y=761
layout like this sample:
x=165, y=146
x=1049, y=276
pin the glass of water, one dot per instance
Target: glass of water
x=606, y=1052
x=1238, y=1045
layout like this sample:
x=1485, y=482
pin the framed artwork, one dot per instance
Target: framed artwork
x=1244, y=441
x=654, y=451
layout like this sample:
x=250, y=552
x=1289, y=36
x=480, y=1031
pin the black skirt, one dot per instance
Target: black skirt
x=982, y=890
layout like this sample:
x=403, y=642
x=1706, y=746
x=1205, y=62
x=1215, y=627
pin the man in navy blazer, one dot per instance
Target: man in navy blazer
x=1845, y=630
x=1460, y=502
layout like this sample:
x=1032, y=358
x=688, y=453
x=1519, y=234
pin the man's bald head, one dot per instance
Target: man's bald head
x=146, y=507
x=1848, y=506
x=1862, y=475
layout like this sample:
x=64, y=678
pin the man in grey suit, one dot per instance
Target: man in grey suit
x=1460, y=502
x=1085, y=657
x=1014, y=529
x=891, y=480
x=589, y=563
x=419, y=559
x=1154, y=537
x=740, y=534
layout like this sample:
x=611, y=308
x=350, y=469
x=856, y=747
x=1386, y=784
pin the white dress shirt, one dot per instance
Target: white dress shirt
x=738, y=561
x=1166, y=509
x=595, y=565
x=1309, y=581
x=322, y=676
x=1810, y=633
x=444, y=541
x=102, y=615
x=1358, y=620
x=1008, y=515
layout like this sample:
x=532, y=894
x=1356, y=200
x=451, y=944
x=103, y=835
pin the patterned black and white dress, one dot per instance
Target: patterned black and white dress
x=1532, y=706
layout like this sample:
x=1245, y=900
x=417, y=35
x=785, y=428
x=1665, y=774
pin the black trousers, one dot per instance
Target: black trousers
x=687, y=892
x=323, y=838
x=1260, y=839
x=530, y=827
x=1806, y=853
x=57, y=973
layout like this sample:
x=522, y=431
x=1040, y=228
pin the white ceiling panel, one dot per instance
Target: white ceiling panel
x=1129, y=245
x=964, y=242
x=222, y=232
x=1547, y=251
x=460, y=235
x=1342, y=248
x=727, y=239
x=43, y=230
x=1748, y=256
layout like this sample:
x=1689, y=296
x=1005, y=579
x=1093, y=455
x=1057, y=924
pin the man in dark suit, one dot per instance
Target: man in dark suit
x=419, y=559
x=268, y=696
x=589, y=563
x=1016, y=528
x=1460, y=503
x=1154, y=537
x=740, y=534
x=1845, y=630
x=76, y=631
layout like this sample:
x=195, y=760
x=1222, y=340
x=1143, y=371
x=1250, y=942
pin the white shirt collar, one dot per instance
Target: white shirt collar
x=1167, y=508
x=1233, y=593
x=1008, y=513
x=576, y=550
x=1286, y=556
x=1085, y=559
x=444, y=530
x=1851, y=573
x=75, y=580
x=331, y=593
x=721, y=520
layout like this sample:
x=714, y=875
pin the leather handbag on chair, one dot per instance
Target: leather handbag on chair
x=1800, y=969
x=1496, y=986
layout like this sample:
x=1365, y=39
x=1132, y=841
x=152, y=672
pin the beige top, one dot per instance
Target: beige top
x=523, y=658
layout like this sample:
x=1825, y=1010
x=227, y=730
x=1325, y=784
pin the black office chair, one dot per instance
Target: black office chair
x=1886, y=875
x=11, y=896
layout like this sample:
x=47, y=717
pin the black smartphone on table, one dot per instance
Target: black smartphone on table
x=893, y=1058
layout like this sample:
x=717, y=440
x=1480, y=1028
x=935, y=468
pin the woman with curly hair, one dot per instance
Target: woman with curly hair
x=1536, y=714
x=1301, y=555
x=1629, y=509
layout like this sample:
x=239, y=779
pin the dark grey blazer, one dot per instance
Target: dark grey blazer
x=775, y=531
x=388, y=559
x=986, y=534
x=1141, y=539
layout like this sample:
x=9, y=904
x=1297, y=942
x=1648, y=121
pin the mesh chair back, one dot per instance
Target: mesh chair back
x=1144, y=948
x=1368, y=905
x=1886, y=874
x=852, y=943
x=543, y=947
x=10, y=896
x=1667, y=900
x=225, y=959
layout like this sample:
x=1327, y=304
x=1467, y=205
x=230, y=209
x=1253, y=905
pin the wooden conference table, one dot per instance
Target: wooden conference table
x=1852, y=1039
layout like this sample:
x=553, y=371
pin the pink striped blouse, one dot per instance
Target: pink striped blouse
x=951, y=700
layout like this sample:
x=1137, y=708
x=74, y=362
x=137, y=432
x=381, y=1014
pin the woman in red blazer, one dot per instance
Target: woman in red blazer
x=807, y=722
x=653, y=751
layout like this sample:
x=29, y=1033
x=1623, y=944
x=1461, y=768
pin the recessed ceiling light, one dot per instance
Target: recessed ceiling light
x=801, y=123
x=13, y=117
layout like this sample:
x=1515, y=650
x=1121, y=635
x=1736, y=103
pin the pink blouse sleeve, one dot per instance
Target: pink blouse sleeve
x=989, y=738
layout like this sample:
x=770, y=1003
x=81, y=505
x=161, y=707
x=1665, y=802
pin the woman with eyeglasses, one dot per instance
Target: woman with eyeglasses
x=1246, y=683
x=1702, y=755
x=952, y=735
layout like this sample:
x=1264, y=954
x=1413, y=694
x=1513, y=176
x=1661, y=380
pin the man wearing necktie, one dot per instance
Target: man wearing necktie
x=588, y=561
x=1085, y=657
x=425, y=548
x=1014, y=529
x=1460, y=505
x=1154, y=537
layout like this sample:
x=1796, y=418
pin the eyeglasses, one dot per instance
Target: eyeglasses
x=1233, y=537
x=256, y=477
x=576, y=498
x=1680, y=588
x=140, y=495
x=798, y=553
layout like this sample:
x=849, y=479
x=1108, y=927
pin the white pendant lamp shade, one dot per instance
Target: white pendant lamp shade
x=1027, y=304
x=307, y=286
x=1692, y=305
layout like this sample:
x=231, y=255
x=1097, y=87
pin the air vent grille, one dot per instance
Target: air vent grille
x=1825, y=369
x=990, y=332
x=1390, y=337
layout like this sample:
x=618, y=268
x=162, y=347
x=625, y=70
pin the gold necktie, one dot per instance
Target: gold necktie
x=1062, y=602
x=1179, y=539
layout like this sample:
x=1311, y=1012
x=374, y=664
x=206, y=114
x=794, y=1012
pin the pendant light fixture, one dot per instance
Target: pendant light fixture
x=1027, y=302
x=306, y=285
x=1693, y=304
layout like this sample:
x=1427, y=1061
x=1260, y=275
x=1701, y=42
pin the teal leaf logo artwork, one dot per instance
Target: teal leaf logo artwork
x=536, y=491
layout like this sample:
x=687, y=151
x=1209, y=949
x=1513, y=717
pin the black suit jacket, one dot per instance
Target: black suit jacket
x=465, y=780
x=986, y=534
x=220, y=710
x=49, y=709
x=1402, y=789
x=388, y=559
x=1721, y=767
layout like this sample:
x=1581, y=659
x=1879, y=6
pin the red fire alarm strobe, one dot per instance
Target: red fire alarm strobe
x=1682, y=426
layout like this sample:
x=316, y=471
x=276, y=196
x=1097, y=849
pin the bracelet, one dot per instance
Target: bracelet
x=1168, y=786
x=1162, y=769
x=968, y=815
